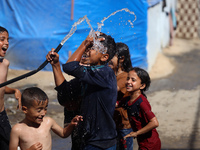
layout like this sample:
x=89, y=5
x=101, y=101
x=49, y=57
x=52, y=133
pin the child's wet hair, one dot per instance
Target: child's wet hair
x=123, y=50
x=110, y=44
x=2, y=29
x=31, y=94
x=144, y=77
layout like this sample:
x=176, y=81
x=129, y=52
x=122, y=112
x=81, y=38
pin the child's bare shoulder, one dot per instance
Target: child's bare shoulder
x=48, y=120
x=5, y=62
x=18, y=127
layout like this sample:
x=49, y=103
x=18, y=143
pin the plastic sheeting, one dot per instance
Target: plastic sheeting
x=35, y=27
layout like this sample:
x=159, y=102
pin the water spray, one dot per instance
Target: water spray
x=124, y=9
x=73, y=29
x=98, y=44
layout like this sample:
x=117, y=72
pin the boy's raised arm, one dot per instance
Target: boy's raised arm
x=76, y=56
x=68, y=129
x=53, y=58
x=65, y=132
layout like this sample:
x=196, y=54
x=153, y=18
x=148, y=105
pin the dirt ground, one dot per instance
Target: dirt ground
x=174, y=95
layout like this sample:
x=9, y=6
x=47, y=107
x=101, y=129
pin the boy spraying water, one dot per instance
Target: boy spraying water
x=97, y=131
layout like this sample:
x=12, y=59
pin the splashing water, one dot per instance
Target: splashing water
x=105, y=18
x=97, y=43
x=74, y=27
x=102, y=49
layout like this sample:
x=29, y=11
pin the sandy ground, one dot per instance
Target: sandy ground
x=174, y=95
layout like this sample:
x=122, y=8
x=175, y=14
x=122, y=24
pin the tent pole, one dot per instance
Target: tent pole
x=72, y=9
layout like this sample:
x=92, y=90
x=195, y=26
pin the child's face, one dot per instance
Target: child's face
x=3, y=43
x=94, y=56
x=85, y=59
x=133, y=82
x=113, y=63
x=37, y=111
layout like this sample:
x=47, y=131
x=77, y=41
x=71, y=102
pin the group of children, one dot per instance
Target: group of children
x=106, y=82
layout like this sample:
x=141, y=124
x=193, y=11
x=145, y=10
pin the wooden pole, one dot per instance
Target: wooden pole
x=72, y=10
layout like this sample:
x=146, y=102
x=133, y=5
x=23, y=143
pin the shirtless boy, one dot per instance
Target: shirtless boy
x=5, y=127
x=34, y=131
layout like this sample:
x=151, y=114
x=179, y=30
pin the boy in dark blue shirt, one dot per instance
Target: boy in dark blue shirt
x=98, y=129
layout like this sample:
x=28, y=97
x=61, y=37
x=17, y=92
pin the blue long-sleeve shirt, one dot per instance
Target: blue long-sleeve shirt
x=98, y=103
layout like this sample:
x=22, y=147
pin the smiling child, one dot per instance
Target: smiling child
x=33, y=132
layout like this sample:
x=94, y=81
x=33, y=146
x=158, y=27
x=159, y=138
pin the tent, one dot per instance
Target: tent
x=35, y=27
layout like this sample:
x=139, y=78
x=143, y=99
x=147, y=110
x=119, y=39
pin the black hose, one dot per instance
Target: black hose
x=31, y=72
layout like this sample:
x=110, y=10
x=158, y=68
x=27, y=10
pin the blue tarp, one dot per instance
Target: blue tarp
x=35, y=27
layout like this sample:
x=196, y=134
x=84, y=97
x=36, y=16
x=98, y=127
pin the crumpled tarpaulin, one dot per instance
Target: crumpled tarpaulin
x=35, y=27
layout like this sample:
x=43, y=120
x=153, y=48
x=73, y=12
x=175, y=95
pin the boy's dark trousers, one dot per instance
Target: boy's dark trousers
x=5, y=130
